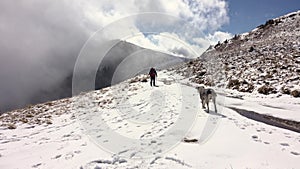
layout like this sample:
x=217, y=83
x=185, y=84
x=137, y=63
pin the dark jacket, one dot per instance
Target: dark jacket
x=152, y=72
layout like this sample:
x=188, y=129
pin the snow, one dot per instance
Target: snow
x=285, y=107
x=154, y=121
x=265, y=57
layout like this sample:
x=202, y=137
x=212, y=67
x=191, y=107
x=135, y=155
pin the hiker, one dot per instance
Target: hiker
x=152, y=74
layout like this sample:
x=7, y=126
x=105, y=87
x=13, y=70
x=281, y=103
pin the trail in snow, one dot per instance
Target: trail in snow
x=121, y=125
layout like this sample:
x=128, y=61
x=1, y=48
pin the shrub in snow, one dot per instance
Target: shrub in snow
x=24, y=120
x=265, y=89
x=285, y=90
x=209, y=83
x=233, y=84
x=202, y=72
x=270, y=22
x=295, y=93
x=11, y=126
x=247, y=88
x=144, y=80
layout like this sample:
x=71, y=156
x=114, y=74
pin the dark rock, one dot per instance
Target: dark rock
x=285, y=90
x=266, y=89
x=251, y=49
x=270, y=22
x=190, y=140
x=11, y=126
x=233, y=84
x=248, y=88
x=295, y=93
x=292, y=15
x=201, y=73
x=144, y=80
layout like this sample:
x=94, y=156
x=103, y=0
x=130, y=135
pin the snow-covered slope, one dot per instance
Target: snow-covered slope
x=133, y=125
x=265, y=60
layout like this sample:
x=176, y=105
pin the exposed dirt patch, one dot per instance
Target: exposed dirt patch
x=267, y=119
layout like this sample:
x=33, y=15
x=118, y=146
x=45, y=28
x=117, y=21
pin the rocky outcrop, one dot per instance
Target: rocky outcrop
x=265, y=60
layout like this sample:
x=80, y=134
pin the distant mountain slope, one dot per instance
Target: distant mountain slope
x=265, y=60
x=114, y=57
x=137, y=58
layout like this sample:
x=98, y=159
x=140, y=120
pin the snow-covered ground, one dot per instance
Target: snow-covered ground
x=133, y=125
x=285, y=107
x=264, y=60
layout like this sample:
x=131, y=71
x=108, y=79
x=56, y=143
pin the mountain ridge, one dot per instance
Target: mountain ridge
x=265, y=60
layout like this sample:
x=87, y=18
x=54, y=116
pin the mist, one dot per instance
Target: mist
x=39, y=43
x=39, y=46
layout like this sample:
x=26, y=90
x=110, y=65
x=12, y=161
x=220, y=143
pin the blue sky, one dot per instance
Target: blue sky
x=245, y=15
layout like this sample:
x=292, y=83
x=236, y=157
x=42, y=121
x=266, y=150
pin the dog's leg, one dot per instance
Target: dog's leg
x=203, y=103
x=214, y=100
x=207, y=103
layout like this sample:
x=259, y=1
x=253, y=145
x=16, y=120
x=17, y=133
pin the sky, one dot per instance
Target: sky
x=41, y=39
x=245, y=15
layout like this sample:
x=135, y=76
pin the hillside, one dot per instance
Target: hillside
x=135, y=56
x=133, y=125
x=265, y=60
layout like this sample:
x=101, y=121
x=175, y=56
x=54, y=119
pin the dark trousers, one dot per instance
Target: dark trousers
x=152, y=81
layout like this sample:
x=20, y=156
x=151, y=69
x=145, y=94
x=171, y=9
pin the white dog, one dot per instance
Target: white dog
x=206, y=95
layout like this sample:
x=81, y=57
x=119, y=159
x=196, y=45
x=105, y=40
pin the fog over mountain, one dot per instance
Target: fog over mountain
x=106, y=74
x=40, y=40
x=39, y=45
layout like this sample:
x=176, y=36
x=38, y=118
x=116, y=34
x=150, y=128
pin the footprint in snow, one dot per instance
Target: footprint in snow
x=69, y=156
x=36, y=165
x=284, y=144
x=57, y=156
x=295, y=153
x=255, y=138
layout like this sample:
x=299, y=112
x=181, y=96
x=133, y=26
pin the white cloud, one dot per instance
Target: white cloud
x=219, y=36
x=207, y=14
x=169, y=43
x=202, y=20
x=212, y=39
